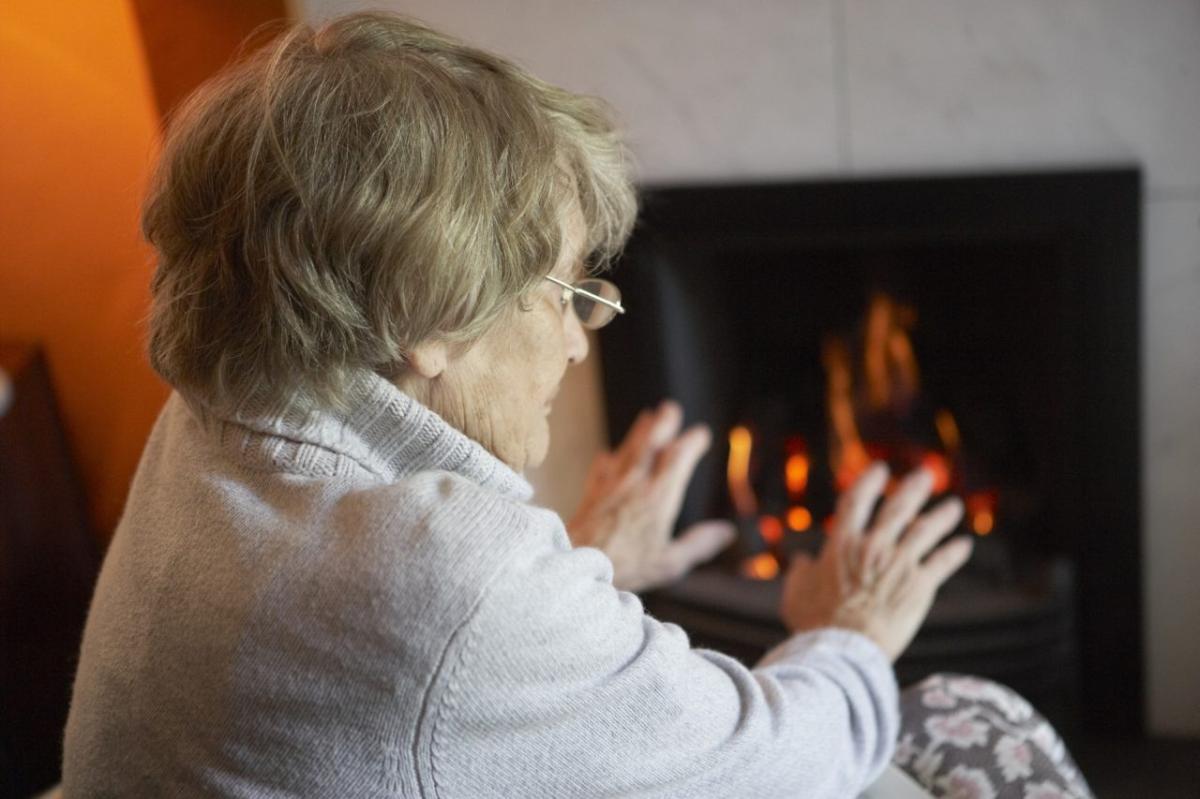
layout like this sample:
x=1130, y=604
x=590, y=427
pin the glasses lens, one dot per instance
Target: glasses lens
x=594, y=314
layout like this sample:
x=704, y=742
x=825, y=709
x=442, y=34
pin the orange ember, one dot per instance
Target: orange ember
x=799, y=519
x=981, y=511
x=771, y=529
x=796, y=473
x=983, y=522
x=939, y=467
x=761, y=567
x=947, y=429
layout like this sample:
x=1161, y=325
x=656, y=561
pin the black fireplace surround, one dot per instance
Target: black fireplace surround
x=1027, y=295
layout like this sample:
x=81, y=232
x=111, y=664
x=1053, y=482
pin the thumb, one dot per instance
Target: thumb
x=601, y=467
x=596, y=482
x=798, y=565
x=794, y=577
x=799, y=561
x=699, y=543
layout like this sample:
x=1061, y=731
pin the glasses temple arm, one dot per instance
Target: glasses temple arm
x=616, y=306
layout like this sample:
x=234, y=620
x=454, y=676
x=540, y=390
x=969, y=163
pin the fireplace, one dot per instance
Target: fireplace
x=984, y=326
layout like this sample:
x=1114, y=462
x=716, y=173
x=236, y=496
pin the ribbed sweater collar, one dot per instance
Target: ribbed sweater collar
x=385, y=431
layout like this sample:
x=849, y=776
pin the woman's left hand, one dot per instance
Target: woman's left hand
x=633, y=495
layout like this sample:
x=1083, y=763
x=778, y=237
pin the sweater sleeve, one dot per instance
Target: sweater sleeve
x=559, y=685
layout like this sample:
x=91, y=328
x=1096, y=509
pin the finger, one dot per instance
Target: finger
x=797, y=574
x=855, y=505
x=900, y=508
x=677, y=464
x=800, y=563
x=599, y=471
x=698, y=544
x=929, y=528
x=897, y=576
x=635, y=438
x=652, y=432
x=946, y=560
x=668, y=420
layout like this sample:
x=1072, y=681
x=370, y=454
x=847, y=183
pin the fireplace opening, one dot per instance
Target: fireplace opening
x=983, y=327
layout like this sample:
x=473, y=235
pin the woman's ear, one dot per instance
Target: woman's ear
x=428, y=359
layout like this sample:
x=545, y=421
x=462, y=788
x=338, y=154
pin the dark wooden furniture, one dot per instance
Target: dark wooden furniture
x=48, y=564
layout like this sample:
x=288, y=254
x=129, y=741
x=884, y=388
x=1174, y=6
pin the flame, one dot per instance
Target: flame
x=981, y=510
x=890, y=382
x=983, y=522
x=738, y=472
x=771, y=529
x=889, y=365
x=799, y=518
x=939, y=466
x=761, y=567
x=796, y=474
x=849, y=455
x=947, y=429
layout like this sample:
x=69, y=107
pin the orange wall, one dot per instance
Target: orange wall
x=186, y=41
x=78, y=134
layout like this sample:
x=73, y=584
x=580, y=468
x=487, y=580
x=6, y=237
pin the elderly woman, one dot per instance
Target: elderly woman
x=376, y=248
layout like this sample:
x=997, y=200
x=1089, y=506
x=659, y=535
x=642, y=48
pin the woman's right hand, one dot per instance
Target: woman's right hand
x=878, y=581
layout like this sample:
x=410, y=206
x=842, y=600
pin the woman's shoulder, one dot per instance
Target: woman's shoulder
x=439, y=504
x=441, y=525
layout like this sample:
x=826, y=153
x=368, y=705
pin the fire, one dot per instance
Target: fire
x=875, y=413
x=947, y=430
x=882, y=395
x=939, y=466
x=799, y=519
x=761, y=567
x=738, y=472
x=850, y=458
x=981, y=511
x=796, y=474
x=889, y=365
x=891, y=381
x=771, y=529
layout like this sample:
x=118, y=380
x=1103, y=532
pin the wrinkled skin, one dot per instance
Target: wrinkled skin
x=880, y=579
x=632, y=498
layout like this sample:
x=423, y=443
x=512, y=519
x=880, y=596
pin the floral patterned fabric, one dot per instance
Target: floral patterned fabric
x=969, y=738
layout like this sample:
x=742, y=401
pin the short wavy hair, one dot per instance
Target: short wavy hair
x=350, y=191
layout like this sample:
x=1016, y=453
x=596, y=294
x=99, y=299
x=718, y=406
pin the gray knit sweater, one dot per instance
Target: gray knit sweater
x=366, y=604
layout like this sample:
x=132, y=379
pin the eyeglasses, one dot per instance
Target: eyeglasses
x=596, y=301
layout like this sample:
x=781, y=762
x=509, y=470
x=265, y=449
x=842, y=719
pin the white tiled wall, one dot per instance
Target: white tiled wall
x=716, y=89
x=952, y=83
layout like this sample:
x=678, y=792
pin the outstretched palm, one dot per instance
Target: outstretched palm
x=633, y=495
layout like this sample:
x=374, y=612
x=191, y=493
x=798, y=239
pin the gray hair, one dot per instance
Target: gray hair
x=351, y=191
